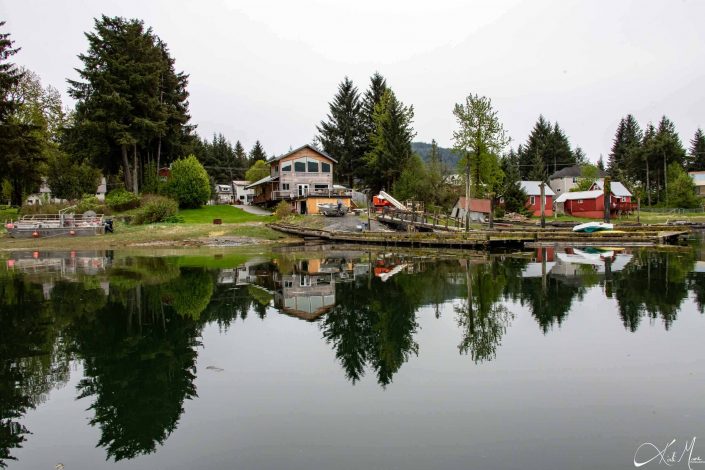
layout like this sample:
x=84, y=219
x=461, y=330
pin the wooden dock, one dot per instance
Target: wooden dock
x=489, y=239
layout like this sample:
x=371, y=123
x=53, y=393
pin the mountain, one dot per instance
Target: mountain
x=448, y=158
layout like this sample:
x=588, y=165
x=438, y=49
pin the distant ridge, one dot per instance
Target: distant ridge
x=449, y=159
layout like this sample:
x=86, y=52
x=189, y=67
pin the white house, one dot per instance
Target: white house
x=243, y=195
x=44, y=196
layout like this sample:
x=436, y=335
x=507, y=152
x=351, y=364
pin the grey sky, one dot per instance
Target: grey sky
x=267, y=70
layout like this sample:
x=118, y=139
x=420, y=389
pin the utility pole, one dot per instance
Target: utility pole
x=665, y=177
x=543, y=204
x=607, y=198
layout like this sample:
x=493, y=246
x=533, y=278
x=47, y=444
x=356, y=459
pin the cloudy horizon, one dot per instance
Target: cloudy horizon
x=267, y=70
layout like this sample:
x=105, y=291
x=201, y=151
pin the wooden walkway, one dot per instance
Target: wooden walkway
x=486, y=239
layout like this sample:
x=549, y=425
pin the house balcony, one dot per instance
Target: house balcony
x=292, y=195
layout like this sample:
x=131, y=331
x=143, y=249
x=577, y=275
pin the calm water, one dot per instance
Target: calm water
x=333, y=359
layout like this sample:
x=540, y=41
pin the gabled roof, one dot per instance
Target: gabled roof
x=476, y=205
x=266, y=179
x=617, y=188
x=533, y=188
x=570, y=172
x=579, y=195
x=310, y=147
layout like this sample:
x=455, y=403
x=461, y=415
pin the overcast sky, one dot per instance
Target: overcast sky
x=267, y=69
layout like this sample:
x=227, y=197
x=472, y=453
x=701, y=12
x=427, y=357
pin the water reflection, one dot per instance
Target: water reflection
x=134, y=323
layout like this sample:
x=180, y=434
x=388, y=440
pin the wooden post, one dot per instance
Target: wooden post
x=543, y=204
x=491, y=210
x=638, y=210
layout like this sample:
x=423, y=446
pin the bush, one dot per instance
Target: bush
x=155, y=209
x=91, y=203
x=29, y=209
x=121, y=200
x=189, y=183
x=282, y=210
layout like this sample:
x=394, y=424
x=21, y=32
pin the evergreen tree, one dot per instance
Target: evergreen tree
x=696, y=153
x=624, y=159
x=580, y=157
x=257, y=153
x=537, y=171
x=681, y=188
x=643, y=167
x=130, y=103
x=551, y=144
x=558, y=153
x=601, y=164
x=536, y=145
x=668, y=149
x=23, y=136
x=240, y=159
x=373, y=95
x=391, y=141
x=342, y=135
x=512, y=193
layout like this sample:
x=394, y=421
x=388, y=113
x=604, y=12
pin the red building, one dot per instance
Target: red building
x=591, y=204
x=533, y=201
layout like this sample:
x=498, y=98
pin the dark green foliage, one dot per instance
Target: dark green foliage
x=447, y=157
x=10, y=75
x=131, y=105
x=189, y=183
x=413, y=183
x=373, y=95
x=343, y=134
x=155, y=209
x=547, y=144
x=283, y=210
x=391, y=142
x=222, y=161
x=257, y=153
x=696, y=153
x=601, y=164
x=121, y=200
x=512, y=193
x=91, y=203
x=69, y=179
x=624, y=157
x=258, y=170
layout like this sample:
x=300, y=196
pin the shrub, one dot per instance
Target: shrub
x=91, y=203
x=282, y=210
x=121, y=200
x=155, y=209
x=189, y=183
x=29, y=209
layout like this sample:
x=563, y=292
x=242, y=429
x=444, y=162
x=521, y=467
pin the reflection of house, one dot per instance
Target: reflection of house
x=306, y=296
x=533, y=193
x=303, y=177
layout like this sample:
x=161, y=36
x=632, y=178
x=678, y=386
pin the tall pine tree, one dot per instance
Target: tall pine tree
x=625, y=156
x=257, y=153
x=696, y=153
x=343, y=133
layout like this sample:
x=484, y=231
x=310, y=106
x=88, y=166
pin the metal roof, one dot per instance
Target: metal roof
x=579, y=195
x=617, y=188
x=310, y=147
x=573, y=171
x=267, y=179
x=533, y=188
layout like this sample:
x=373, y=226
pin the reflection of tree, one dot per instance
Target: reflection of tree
x=31, y=362
x=139, y=367
x=653, y=284
x=696, y=282
x=189, y=293
x=480, y=315
x=374, y=324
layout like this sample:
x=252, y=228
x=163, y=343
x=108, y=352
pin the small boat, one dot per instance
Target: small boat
x=61, y=224
x=333, y=210
x=590, y=227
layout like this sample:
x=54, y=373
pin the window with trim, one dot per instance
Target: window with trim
x=320, y=187
x=325, y=167
x=624, y=199
x=580, y=201
x=285, y=186
x=312, y=166
x=300, y=166
x=286, y=167
x=532, y=200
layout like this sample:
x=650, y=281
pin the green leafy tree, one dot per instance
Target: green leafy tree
x=588, y=175
x=681, y=188
x=70, y=180
x=342, y=134
x=260, y=169
x=413, y=183
x=189, y=183
x=696, y=153
x=479, y=139
x=391, y=141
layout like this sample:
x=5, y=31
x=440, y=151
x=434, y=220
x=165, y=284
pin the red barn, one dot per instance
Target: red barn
x=582, y=204
x=533, y=201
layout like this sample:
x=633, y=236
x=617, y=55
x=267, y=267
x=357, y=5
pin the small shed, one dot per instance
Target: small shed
x=533, y=201
x=479, y=209
x=581, y=203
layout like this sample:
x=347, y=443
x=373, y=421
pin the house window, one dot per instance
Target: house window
x=300, y=166
x=286, y=167
x=285, y=186
x=325, y=167
x=624, y=199
x=320, y=187
x=580, y=201
x=575, y=179
x=312, y=166
x=532, y=200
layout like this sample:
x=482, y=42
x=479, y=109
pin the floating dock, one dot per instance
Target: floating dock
x=492, y=239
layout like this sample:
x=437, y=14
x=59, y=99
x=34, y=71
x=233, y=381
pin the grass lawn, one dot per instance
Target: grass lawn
x=7, y=214
x=228, y=214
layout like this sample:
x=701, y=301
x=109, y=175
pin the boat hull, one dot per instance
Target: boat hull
x=50, y=232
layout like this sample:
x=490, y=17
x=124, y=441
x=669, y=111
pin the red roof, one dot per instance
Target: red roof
x=476, y=205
